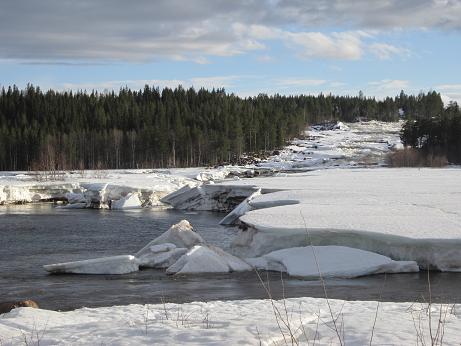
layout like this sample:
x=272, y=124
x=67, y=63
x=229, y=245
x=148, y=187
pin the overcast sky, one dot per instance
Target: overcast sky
x=245, y=46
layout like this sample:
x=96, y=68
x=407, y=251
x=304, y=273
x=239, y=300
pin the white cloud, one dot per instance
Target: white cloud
x=298, y=82
x=214, y=82
x=386, y=51
x=265, y=58
x=197, y=82
x=390, y=84
x=337, y=45
x=449, y=92
x=117, y=84
x=115, y=30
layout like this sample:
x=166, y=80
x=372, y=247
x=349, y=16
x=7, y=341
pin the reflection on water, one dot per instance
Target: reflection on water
x=34, y=235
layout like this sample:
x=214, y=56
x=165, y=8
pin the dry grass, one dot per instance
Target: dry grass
x=410, y=157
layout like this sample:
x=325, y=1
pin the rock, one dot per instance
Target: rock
x=7, y=307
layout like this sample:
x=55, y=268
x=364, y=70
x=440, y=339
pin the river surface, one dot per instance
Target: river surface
x=38, y=234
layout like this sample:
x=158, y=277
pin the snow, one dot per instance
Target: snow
x=244, y=322
x=207, y=259
x=123, y=264
x=358, y=144
x=330, y=261
x=405, y=214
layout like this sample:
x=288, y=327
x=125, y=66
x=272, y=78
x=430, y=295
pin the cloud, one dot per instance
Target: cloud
x=117, y=30
x=388, y=87
x=386, y=51
x=449, y=92
x=298, y=82
x=336, y=45
x=215, y=82
x=197, y=82
x=390, y=84
x=265, y=58
x=385, y=14
x=115, y=85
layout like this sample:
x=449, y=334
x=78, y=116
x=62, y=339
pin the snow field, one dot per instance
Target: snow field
x=246, y=322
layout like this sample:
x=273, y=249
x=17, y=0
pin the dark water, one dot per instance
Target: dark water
x=34, y=235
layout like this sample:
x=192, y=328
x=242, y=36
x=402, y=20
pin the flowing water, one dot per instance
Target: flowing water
x=38, y=234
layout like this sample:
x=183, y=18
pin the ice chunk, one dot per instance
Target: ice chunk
x=75, y=197
x=207, y=259
x=106, y=265
x=330, y=261
x=181, y=235
x=240, y=210
x=209, y=197
x=160, y=256
x=131, y=201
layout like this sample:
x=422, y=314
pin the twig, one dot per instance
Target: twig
x=322, y=281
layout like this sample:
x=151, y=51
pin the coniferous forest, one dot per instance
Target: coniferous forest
x=174, y=128
x=438, y=135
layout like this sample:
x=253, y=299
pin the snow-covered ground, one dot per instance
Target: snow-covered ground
x=360, y=144
x=306, y=321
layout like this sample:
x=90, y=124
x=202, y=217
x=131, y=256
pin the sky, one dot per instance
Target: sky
x=246, y=46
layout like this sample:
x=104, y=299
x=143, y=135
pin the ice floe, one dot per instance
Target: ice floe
x=330, y=261
x=179, y=249
x=405, y=214
x=123, y=264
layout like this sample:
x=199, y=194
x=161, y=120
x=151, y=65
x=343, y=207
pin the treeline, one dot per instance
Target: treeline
x=436, y=134
x=167, y=128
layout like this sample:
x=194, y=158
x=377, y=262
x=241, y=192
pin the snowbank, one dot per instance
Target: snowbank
x=245, y=322
x=106, y=265
x=330, y=261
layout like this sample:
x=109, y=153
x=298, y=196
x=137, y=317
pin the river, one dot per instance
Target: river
x=37, y=234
